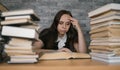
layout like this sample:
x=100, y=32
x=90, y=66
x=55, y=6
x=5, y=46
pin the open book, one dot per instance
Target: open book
x=63, y=55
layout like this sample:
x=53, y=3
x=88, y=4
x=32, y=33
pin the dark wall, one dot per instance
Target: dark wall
x=46, y=10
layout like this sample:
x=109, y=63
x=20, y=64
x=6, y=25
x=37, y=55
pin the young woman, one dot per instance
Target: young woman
x=64, y=35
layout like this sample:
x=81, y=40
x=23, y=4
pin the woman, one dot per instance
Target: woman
x=64, y=35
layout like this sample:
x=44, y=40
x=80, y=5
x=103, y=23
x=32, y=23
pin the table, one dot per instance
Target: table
x=70, y=64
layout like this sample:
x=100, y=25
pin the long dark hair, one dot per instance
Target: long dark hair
x=50, y=35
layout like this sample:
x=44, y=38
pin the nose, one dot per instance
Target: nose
x=64, y=26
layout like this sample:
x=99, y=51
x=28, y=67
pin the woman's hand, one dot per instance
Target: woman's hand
x=64, y=50
x=37, y=44
x=75, y=23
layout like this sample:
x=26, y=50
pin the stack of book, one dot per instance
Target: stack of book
x=21, y=27
x=105, y=33
x=2, y=41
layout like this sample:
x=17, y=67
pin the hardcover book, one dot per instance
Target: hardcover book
x=21, y=12
x=19, y=17
x=107, y=57
x=103, y=9
x=104, y=24
x=18, y=22
x=19, y=32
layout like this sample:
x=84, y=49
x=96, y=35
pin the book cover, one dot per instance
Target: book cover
x=13, y=60
x=105, y=43
x=36, y=27
x=19, y=52
x=63, y=55
x=20, y=12
x=106, y=57
x=19, y=32
x=24, y=56
x=105, y=28
x=105, y=15
x=113, y=17
x=111, y=40
x=106, y=60
x=102, y=51
x=105, y=48
x=18, y=22
x=105, y=8
x=20, y=42
x=14, y=47
x=19, y=17
x=104, y=24
x=113, y=33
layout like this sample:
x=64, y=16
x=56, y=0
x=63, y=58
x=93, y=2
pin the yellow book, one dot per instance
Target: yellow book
x=63, y=55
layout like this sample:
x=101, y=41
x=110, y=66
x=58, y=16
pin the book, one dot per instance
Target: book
x=36, y=27
x=105, y=8
x=114, y=17
x=104, y=24
x=63, y=55
x=105, y=43
x=105, y=28
x=24, y=56
x=21, y=12
x=19, y=17
x=113, y=33
x=106, y=39
x=106, y=60
x=102, y=51
x=19, y=52
x=107, y=57
x=20, y=42
x=105, y=48
x=105, y=15
x=22, y=60
x=19, y=32
x=13, y=47
x=18, y=22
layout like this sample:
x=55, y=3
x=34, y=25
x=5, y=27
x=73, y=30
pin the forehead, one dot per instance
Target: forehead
x=65, y=17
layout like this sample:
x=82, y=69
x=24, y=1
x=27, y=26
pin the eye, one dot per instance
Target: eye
x=61, y=22
x=68, y=23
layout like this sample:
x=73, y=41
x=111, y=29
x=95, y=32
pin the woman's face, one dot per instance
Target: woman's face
x=64, y=24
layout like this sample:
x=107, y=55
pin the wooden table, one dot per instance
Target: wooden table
x=72, y=64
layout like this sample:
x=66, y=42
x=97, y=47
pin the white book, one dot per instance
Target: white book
x=105, y=8
x=107, y=14
x=18, y=17
x=11, y=47
x=23, y=60
x=106, y=60
x=20, y=12
x=24, y=56
x=17, y=22
x=19, y=52
x=104, y=55
x=114, y=17
x=105, y=43
x=19, y=32
x=103, y=24
x=106, y=40
x=36, y=27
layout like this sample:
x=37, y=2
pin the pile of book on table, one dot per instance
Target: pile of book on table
x=105, y=33
x=21, y=27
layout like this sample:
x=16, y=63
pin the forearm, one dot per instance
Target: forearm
x=81, y=42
